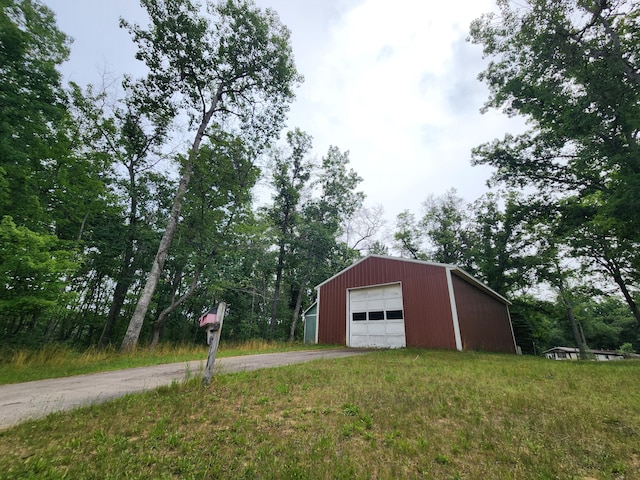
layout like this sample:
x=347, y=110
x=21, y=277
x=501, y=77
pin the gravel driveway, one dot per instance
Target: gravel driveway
x=23, y=401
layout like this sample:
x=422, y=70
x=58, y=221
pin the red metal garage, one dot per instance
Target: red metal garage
x=394, y=302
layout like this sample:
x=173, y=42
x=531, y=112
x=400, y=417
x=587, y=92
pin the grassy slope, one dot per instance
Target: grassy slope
x=390, y=414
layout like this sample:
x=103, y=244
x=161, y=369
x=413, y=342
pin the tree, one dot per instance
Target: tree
x=408, y=236
x=249, y=269
x=216, y=207
x=32, y=110
x=233, y=68
x=534, y=323
x=317, y=249
x=33, y=268
x=596, y=240
x=501, y=250
x=44, y=185
x=441, y=234
x=48, y=186
x=606, y=321
x=553, y=268
x=129, y=135
x=291, y=174
x=446, y=225
x=571, y=69
x=362, y=229
x=378, y=248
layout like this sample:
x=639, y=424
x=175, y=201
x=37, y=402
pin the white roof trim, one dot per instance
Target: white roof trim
x=462, y=274
x=452, y=268
x=310, y=307
x=454, y=311
x=384, y=257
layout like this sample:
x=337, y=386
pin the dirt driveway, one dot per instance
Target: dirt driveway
x=23, y=401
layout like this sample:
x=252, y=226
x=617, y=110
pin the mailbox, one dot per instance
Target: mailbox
x=212, y=321
x=209, y=320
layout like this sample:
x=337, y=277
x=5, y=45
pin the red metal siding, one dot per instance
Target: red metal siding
x=427, y=309
x=484, y=321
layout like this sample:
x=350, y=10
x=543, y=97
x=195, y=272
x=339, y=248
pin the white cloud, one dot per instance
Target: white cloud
x=393, y=83
x=390, y=88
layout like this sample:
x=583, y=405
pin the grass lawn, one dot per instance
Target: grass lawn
x=390, y=414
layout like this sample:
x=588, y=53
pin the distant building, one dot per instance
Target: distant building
x=571, y=353
x=389, y=302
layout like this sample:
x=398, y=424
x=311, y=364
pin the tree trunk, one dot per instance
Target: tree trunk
x=296, y=313
x=158, y=326
x=127, y=270
x=82, y=225
x=135, y=325
x=627, y=296
x=119, y=295
x=276, y=292
x=576, y=331
x=572, y=320
x=51, y=328
x=157, y=331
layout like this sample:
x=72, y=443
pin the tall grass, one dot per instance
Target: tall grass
x=389, y=414
x=58, y=360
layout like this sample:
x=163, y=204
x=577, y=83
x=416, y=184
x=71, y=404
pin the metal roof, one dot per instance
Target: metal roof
x=577, y=350
x=455, y=270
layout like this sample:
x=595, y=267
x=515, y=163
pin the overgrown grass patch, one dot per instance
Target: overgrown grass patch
x=389, y=414
x=56, y=360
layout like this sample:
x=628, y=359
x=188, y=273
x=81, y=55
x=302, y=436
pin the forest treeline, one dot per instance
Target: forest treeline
x=127, y=213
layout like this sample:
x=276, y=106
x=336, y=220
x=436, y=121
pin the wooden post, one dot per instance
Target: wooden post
x=213, y=347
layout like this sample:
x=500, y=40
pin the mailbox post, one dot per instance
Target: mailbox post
x=212, y=322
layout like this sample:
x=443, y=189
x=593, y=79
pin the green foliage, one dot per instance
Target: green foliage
x=571, y=69
x=231, y=70
x=339, y=199
x=534, y=324
x=489, y=238
x=510, y=242
x=626, y=348
x=216, y=224
x=236, y=62
x=408, y=236
x=85, y=167
x=445, y=223
x=33, y=272
x=90, y=187
x=605, y=321
x=502, y=250
x=291, y=175
x=51, y=184
x=319, y=246
x=308, y=215
x=33, y=113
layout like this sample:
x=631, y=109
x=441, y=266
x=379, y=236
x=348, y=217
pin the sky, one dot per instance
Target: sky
x=393, y=83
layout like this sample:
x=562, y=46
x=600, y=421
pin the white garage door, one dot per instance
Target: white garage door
x=376, y=317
